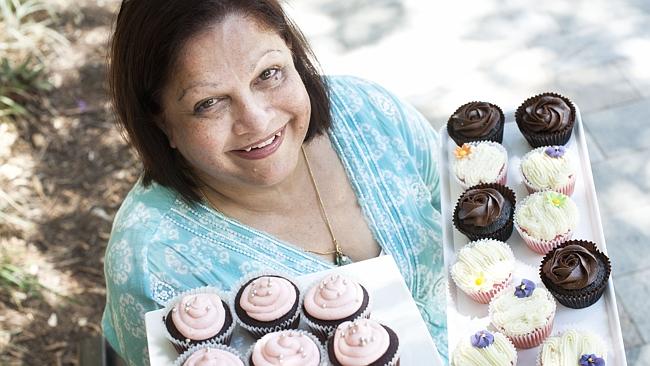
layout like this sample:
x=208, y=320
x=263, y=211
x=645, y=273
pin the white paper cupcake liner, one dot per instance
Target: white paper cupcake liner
x=182, y=358
x=324, y=360
x=182, y=345
x=258, y=332
x=324, y=331
x=502, y=178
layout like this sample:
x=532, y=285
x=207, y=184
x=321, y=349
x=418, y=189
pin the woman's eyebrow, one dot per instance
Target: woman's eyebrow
x=251, y=68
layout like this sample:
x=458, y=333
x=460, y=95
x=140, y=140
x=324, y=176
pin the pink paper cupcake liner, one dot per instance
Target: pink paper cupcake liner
x=535, y=338
x=541, y=246
x=484, y=297
x=566, y=189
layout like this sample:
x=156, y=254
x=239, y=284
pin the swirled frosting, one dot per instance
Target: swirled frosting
x=335, y=297
x=482, y=264
x=199, y=316
x=566, y=349
x=546, y=114
x=268, y=298
x=544, y=171
x=475, y=119
x=482, y=165
x=286, y=348
x=480, y=206
x=361, y=342
x=499, y=353
x=572, y=267
x=542, y=219
x=517, y=316
x=212, y=357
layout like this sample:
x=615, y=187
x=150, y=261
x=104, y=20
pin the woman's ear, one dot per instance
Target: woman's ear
x=162, y=124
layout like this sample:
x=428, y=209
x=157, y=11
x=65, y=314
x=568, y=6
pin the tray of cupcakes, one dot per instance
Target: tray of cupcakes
x=529, y=277
x=360, y=314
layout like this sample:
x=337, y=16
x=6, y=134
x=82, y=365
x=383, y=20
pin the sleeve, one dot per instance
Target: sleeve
x=128, y=296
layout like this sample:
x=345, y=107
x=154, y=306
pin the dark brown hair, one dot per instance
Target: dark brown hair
x=145, y=47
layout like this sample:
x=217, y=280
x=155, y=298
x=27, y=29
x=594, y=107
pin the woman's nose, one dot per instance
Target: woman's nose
x=253, y=116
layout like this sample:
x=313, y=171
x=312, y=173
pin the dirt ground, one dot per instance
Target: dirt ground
x=63, y=175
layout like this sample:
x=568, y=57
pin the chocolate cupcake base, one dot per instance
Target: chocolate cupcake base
x=501, y=229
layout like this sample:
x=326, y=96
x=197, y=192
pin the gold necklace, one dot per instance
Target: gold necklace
x=340, y=259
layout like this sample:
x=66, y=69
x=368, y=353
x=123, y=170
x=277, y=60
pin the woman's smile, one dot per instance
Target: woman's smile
x=261, y=150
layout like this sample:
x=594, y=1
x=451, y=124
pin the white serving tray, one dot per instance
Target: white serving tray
x=392, y=305
x=466, y=316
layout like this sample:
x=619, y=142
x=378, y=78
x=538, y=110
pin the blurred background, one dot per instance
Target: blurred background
x=64, y=168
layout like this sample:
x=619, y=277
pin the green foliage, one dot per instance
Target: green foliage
x=19, y=85
x=14, y=279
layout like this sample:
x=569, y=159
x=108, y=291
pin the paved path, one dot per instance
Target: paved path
x=596, y=52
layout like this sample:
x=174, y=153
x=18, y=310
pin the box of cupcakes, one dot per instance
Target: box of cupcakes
x=530, y=282
x=359, y=314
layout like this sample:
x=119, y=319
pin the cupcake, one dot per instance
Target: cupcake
x=332, y=301
x=480, y=162
x=548, y=168
x=546, y=119
x=483, y=268
x=576, y=273
x=545, y=220
x=571, y=348
x=267, y=304
x=198, y=316
x=210, y=354
x=287, y=348
x=524, y=313
x=485, y=211
x=363, y=342
x=476, y=121
x=485, y=349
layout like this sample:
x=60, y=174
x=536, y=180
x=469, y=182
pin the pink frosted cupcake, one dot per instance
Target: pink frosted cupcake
x=332, y=301
x=483, y=268
x=287, y=348
x=363, y=342
x=480, y=162
x=524, y=313
x=198, y=316
x=210, y=354
x=267, y=303
x=545, y=220
x=548, y=168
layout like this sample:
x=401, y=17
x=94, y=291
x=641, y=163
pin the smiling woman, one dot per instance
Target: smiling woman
x=252, y=161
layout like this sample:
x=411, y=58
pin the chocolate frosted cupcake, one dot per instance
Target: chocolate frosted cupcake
x=198, y=316
x=485, y=211
x=266, y=304
x=476, y=121
x=546, y=119
x=576, y=273
x=363, y=342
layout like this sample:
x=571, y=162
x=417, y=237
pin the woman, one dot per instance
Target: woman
x=252, y=160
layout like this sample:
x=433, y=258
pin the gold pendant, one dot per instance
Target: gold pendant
x=341, y=259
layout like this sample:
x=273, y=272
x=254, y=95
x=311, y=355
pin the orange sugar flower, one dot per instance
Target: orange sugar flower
x=463, y=151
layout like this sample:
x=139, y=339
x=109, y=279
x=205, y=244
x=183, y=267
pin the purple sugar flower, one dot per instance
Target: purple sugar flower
x=525, y=289
x=482, y=339
x=591, y=360
x=555, y=151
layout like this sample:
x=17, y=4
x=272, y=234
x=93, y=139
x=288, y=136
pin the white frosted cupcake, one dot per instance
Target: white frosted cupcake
x=483, y=268
x=545, y=220
x=548, y=167
x=572, y=348
x=524, y=313
x=484, y=349
x=480, y=162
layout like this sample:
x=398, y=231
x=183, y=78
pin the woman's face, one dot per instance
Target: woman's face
x=235, y=106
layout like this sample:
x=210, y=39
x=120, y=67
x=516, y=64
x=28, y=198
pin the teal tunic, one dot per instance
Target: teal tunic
x=161, y=246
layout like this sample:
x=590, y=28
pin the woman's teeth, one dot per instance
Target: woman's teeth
x=265, y=143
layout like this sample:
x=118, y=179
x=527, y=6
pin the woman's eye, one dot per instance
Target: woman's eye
x=268, y=73
x=205, y=104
